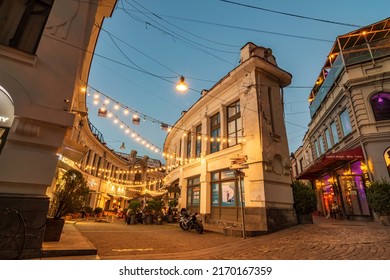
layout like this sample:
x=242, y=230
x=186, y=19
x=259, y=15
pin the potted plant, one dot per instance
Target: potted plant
x=98, y=211
x=171, y=206
x=378, y=197
x=69, y=196
x=155, y=207
x=305, y=201
x=88, y=210
x=134, y=205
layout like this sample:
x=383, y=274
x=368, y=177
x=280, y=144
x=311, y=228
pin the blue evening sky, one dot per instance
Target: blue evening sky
x=147, y=44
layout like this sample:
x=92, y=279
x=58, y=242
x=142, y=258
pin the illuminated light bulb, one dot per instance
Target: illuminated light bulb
x=181, y=86
x=96, y=102
x=116, y=107
x=96, y=96
x=127, y=131
x=133, y=135
x=126, y=112
x=116, y=121
x=109, y=115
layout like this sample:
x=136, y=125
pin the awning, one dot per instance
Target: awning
x=330, y=161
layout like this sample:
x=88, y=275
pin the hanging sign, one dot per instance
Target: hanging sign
x=238, y=163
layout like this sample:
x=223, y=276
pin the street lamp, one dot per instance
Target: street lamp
x=182, y=85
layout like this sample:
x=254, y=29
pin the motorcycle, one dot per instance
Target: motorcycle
x=190, y=221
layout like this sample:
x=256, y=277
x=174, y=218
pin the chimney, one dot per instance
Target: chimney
x=246, y=51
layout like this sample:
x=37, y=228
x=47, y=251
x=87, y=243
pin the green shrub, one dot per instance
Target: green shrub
x=172, y=203
x=88, y=209
x=378, y=197
x=134, y=205
x=155, y=205
x=98, y=210
x=305, y=198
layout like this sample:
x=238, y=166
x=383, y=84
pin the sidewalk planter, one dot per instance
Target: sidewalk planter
x=304, y=218
x=69, y=197
x=53, y=229
x=132, y=219
x=305, y=202
x=378, y=197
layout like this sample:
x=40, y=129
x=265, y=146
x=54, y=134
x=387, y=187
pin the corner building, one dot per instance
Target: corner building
x=239, y=117
x=347, y=142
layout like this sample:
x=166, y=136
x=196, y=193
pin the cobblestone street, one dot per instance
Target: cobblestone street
x=326, y=239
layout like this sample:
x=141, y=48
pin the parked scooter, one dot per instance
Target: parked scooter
x=190, y=221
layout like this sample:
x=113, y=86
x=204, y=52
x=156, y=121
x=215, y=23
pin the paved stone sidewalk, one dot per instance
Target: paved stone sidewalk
x=323, y=240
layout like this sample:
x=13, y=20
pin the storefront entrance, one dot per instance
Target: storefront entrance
x=353, y=195
x=343, y=194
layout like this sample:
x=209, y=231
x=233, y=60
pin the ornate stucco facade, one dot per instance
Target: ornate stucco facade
x=347, y=142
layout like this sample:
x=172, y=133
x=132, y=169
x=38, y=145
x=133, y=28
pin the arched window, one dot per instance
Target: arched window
x=380, y=104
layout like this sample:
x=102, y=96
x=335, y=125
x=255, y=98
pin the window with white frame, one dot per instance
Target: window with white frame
x=316, y=148
x=193, y=193
x=328, y=139
x=321, y=145
x=335, y=135
x=215, y=133
x=234, y=125
x=189, y=145
x=345, y=122
x=22, y=23
x=198, y=146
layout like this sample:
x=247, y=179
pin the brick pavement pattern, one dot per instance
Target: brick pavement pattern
x=323, y=240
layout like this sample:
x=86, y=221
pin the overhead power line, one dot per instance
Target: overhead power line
x=290, y=14
x=239, y=27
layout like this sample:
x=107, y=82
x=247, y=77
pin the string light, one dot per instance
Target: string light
x=141, y=140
